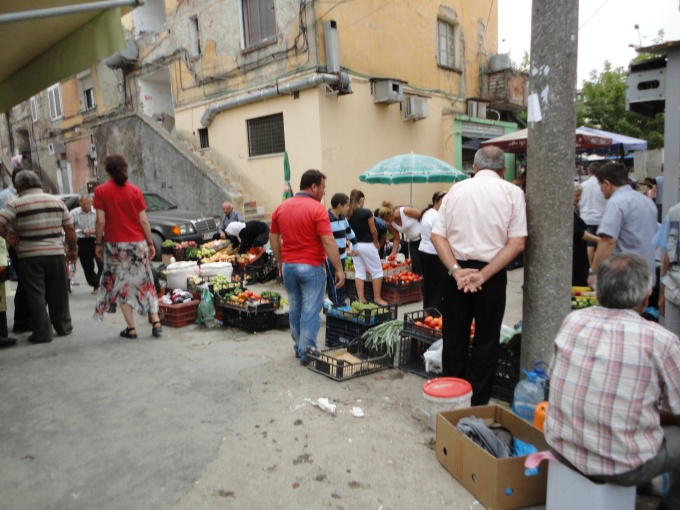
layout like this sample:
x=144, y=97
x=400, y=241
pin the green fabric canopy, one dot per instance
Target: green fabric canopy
x=38, y=53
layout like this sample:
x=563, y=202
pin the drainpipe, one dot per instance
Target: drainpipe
x=340, y=81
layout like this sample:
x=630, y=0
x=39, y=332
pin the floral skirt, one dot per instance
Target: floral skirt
x=126, y=278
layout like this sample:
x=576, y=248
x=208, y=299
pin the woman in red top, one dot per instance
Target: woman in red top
x=128, y=247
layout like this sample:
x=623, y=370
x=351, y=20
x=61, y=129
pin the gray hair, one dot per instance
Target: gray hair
x=490, y=158
x=623, y=281
x=27, y=179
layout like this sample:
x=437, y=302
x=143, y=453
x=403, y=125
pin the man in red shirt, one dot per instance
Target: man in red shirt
x=301, y=238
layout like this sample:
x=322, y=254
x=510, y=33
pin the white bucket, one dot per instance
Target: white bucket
x=178, y=273
x=445, y=394
x=217, y=268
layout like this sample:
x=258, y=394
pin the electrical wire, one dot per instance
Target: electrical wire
x=593, y=15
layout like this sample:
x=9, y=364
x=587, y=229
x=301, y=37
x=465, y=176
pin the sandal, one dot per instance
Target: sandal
x=156, y=331
x=126, y=333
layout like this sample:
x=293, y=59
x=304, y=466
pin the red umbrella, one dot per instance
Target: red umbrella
x=517, y=142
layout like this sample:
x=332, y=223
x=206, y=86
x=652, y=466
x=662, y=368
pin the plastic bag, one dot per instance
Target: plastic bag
x=433, y=357
x=206, y=310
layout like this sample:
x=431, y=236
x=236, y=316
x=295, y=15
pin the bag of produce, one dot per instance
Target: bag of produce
x=206, y=310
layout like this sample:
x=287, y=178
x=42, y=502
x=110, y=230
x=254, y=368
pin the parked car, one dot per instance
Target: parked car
x=169, y=222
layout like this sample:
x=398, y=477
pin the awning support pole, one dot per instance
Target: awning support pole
x=69, y=9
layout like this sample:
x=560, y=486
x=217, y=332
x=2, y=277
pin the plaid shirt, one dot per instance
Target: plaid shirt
x=608, y=373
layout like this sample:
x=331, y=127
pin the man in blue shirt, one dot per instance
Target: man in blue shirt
x=230, y=215
x=341, y=232
x=628, y=223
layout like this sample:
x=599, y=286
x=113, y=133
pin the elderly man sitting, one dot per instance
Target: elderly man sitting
x=615, y=385
x=230, y=216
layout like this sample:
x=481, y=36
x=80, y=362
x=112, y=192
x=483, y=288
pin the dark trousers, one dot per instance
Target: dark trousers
x=337, y=296
x=88, y=261
x=414, y=255
x=435, y=278
x=22, y=314
x=44, y=280
x=486, y=307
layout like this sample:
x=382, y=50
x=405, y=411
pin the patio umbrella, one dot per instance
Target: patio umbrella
x=517, y=142
x=619, y=142
x=410, y=168
x=287, y=189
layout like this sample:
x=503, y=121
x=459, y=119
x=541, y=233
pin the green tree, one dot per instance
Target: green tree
x=602, y=105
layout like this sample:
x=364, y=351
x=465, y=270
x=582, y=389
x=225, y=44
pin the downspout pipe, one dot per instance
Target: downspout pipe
x=334, y=80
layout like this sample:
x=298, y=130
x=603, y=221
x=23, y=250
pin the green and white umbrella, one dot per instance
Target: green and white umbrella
x=287, y=188
x=412, y=168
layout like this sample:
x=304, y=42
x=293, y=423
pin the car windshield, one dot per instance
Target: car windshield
x=157, y=203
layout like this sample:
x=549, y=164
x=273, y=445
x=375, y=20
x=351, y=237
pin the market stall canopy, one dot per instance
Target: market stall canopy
x=43, y=44
x=517, y=142
x=619, y=142
x=410, y=168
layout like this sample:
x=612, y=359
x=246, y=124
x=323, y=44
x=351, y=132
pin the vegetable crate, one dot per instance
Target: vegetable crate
x=507, y=372
x=196, y=283
x=421, y=332
x=282, y=320
x=348, y=362
x=342, y=330
x=367, y=317
x=398, y=295
x=411, y=352
x=261, y=271
x=180, y=315
x=250, y=321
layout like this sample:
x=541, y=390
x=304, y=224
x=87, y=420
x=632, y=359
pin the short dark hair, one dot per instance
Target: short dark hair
x=311, y=177
x=623, y=281
x=339, y=199
x=592, y=168
x=615, y=173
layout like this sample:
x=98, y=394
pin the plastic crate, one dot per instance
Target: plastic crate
x=196, y=284
x=371, y=317
x=411, y=352
x=282, y=320
x=403, y=294
x=340, y=332
x=331, y=364
x=351, y=291
x=261, y=273
x=250, y=321
x=421, y=332
x=177, y=316
x=507, y=372
x=259, y=253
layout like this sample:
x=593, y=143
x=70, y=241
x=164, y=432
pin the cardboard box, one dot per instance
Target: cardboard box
x=499, y=484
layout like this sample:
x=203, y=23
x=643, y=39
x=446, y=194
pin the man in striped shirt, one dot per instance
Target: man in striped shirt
x=38, y=221
x=85, y=218
x=610, y=370
x=341, y=232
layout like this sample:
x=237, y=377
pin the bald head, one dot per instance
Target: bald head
x=227, y=208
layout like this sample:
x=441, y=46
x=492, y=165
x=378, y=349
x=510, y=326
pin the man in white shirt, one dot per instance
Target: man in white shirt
x=591, y=206
x=85, y=218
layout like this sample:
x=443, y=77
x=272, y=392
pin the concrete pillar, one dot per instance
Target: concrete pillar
x=550, y=164
x=671, y=170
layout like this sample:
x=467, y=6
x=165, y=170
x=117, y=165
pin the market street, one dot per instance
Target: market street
x=203, y=419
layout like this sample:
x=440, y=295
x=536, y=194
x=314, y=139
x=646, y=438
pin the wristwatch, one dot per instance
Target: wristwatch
x=453, y=269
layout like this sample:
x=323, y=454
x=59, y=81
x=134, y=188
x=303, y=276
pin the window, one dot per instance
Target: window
x=86, y=89
x=54, y=95
x=447, y=34
x=34, y=109
x=203, y=138
x=195, y=37
x=258, y=21
x=265, y=135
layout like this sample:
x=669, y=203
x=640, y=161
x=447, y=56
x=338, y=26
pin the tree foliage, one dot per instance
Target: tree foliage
x=602, y=105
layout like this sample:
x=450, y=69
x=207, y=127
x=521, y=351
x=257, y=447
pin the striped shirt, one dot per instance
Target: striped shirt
x=609, y=370
x=84, y=221
x=39, y=219
x=342, y=231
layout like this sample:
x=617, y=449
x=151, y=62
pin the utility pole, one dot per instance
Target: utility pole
x=550, y=175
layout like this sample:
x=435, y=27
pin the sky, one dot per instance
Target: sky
x=606, y=29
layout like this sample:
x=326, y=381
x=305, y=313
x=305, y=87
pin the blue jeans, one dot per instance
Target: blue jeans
x=305, y=286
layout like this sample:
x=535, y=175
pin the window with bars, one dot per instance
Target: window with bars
x=266, y=136
x=258, y=21
x=54, y=95
x=203, y=138
x=447, y=34
x=34, y=109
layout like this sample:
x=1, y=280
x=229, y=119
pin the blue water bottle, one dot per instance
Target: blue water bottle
x=528, y=394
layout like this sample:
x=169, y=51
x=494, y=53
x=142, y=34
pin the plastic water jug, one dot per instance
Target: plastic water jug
x=528, y=394
x=541, y=371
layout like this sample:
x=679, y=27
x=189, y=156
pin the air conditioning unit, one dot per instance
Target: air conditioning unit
x=646, y=87
x=93, y=151
x=388, y=91
x=56, y=148
x=415, y=108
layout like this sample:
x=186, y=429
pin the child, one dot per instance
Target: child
x=341, y=232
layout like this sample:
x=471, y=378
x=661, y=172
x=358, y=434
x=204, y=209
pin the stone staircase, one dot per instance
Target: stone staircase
x=244, y=204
